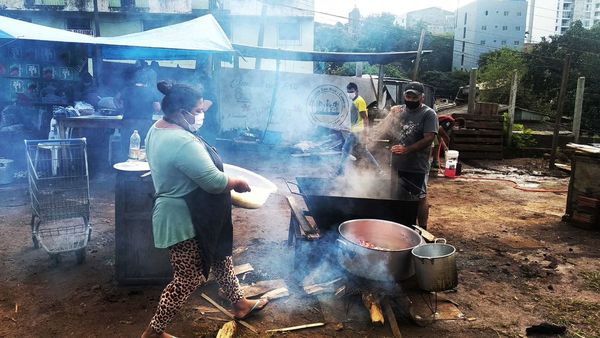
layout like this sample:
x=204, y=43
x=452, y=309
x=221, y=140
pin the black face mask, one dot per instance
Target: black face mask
x=412, y=104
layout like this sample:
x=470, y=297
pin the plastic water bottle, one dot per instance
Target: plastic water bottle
x=134, y=145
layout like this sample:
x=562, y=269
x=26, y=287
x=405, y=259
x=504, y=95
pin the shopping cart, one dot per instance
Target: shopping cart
x=59, y=189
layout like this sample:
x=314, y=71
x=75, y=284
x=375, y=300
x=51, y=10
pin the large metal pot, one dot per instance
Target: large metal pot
x=390, y=260
x=435, y=265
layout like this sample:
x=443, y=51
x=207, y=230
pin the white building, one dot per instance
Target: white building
x=286, y=25
x=483, y=26
x=437, y=21
x=568, y=11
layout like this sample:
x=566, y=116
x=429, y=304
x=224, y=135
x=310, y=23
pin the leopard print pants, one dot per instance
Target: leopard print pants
x=187, y=277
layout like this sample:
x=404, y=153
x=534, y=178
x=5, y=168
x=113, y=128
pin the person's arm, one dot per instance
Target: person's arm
x=419, y=145
x=444, y=136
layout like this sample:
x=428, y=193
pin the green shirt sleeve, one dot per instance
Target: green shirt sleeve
x=194, y=161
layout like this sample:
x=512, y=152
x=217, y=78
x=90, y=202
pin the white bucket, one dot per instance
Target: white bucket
x=6, y=171
x=452, y=155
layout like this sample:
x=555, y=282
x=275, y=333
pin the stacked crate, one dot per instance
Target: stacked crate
x=583, y=200
x=480, y=135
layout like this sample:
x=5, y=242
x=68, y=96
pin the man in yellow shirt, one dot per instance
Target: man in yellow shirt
x=356, y=138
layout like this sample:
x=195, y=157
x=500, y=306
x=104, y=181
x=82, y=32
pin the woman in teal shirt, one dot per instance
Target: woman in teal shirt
x=192, y=212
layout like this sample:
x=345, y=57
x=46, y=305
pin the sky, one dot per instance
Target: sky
x=543, y=23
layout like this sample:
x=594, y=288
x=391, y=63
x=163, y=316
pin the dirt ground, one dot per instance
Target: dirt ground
x=519, y=265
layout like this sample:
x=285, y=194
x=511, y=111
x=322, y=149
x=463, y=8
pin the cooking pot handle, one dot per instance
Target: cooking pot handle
x=287, y=183
x=440, y=240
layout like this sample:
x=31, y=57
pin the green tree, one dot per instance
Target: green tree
x=446, y=84
x=496, y=72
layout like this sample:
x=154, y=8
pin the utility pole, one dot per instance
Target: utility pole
x=380, y=84
x=559, y=109
x=261, y=32
x=418, y=60
x=97, y=61
x=531, y=16
x=578, y=108
x=472, y=90
x=512, y=106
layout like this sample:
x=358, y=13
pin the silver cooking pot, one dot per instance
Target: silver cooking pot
x=435, y=265
x=389, y=260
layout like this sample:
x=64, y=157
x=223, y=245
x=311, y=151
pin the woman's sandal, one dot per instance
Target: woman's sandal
x=255, y=308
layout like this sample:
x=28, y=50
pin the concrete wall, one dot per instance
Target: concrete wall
x=487, y=25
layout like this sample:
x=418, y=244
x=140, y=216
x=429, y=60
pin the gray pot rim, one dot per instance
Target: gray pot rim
x=379, y=220
x=433, y=257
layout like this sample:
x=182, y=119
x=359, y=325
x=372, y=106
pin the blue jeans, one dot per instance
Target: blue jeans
x=351, y=142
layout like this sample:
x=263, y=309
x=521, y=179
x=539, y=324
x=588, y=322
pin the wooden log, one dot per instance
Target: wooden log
x=228, y=330
x=391, y=317
x=372, y=304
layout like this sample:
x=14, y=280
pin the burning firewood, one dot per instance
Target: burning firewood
x=372, y=304
x=228, y=330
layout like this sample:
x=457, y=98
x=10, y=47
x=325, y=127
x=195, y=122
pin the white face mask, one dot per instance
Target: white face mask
x=351, y=95
x=198, y=122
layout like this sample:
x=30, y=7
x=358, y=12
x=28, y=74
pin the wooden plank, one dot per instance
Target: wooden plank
x=477, y=132
x=473, y=117
x=476, y=139
x=478, y=147
x=228, y=314
x=484, y=125
x=305, y=226
x=389, y=313
x=262, y=287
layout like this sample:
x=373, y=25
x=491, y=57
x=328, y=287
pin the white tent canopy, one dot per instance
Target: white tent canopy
x=21, y=30
x=200, y=34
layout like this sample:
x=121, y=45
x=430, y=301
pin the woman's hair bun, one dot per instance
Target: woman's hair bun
x=164, y=87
